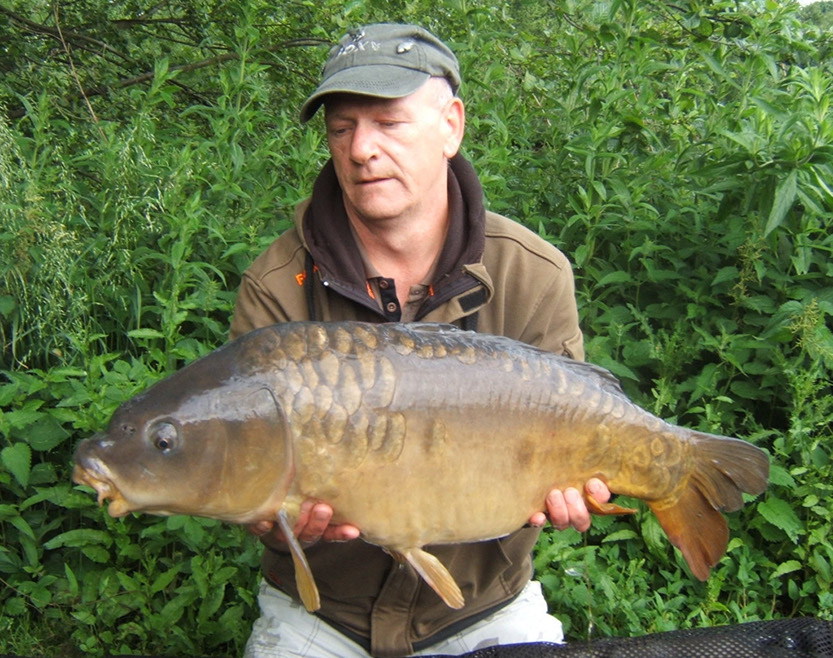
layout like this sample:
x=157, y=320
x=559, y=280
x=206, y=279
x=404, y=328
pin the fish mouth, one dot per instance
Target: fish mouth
x=96, y=475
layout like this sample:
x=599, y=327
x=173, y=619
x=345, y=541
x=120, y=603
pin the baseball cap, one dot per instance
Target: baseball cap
x=384, y=60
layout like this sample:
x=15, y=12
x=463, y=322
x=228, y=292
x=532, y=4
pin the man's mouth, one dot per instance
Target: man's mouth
x=370, y=179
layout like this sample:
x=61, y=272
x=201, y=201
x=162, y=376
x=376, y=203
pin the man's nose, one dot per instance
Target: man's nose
x=364, y=145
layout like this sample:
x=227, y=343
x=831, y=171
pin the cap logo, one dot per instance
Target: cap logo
x=358, y=44
x=404, y=47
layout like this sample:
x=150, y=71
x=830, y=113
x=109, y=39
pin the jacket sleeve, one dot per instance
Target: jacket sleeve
x=534, y=290
x=553, y=321
x=255, y=307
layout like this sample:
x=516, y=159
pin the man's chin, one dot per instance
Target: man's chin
x=376, y=209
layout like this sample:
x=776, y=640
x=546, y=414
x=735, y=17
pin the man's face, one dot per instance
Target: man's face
x=390, y=155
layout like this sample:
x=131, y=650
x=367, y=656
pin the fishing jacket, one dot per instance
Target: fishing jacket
x=493, y=275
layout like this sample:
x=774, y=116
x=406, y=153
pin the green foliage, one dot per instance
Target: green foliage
x=819, y=14
x=680, y=154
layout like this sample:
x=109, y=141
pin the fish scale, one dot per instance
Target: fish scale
x=416, y=434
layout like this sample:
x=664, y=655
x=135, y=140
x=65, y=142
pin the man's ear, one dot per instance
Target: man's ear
x=454, y=125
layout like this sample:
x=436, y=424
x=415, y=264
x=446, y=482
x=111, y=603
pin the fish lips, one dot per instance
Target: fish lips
x=93, y=472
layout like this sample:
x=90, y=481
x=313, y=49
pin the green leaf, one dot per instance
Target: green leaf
x=822, y=566
x=729, y=273
x=787, y=567
x=620, y=535
x=174, y=608
x=15, y=606
x=85, y=617
x=18, y=459
x=96, y=553
x=72, y=581
x=780, y=514
x=784, y=199
x=654, y=536
x=748, y=390
x=7, y=305
x=23, y=526
x=614, y=277
x=199, y=575
x=145, y=333
x=620, y=370
x=80, y=537
x=194, y=531
x=236, y=248
x=165, y=579
x=211, y=603
x=780, y=476
x=45, y=433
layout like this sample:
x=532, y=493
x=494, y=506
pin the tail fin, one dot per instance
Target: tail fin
x=723, y=469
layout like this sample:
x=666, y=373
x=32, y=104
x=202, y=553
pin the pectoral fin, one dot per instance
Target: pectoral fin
x=303, y=574
x=435, y=574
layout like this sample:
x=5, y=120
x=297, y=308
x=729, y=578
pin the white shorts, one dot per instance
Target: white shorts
x=285, y=628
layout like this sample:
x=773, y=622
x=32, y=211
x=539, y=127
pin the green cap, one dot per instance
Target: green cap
x=384, y=60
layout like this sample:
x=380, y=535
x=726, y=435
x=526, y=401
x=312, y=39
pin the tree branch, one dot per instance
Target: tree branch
x=74, y=72
x=102, y=90
x=59, y=35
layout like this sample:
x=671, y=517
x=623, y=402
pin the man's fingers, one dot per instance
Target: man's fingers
x=260, y=528
x=576, y=509
x=538, y=520
x=597, y=489
x=566, y=508
x=557, y=510
x=317, y=520
x=343, y=532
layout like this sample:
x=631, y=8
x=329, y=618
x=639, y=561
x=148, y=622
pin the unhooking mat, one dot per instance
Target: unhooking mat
x=803, y=637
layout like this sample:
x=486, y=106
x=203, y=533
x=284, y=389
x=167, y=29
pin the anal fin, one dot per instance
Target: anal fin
x=435, y=574
x=303, y=574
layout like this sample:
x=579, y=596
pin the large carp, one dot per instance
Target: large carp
x=416, y=434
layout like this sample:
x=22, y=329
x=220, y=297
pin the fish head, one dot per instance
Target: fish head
x=198, y=443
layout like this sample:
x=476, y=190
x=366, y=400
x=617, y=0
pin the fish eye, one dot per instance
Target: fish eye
x=164, y=436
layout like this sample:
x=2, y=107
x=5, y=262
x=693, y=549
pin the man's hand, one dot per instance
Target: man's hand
x=313, y=524
x=566, y=508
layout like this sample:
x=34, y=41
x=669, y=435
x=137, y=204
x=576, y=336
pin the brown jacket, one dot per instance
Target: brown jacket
x=518, y=285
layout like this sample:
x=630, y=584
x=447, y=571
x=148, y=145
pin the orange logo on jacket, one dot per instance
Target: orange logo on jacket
x=302, y=276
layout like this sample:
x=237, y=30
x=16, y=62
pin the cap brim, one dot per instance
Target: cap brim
x=379, y=81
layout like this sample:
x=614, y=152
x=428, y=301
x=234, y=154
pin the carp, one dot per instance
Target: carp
x=418, y=434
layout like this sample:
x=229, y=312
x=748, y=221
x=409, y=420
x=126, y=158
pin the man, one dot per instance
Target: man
x=396, y=230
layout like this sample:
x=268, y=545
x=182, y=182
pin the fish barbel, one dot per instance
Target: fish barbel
x=417, y=434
